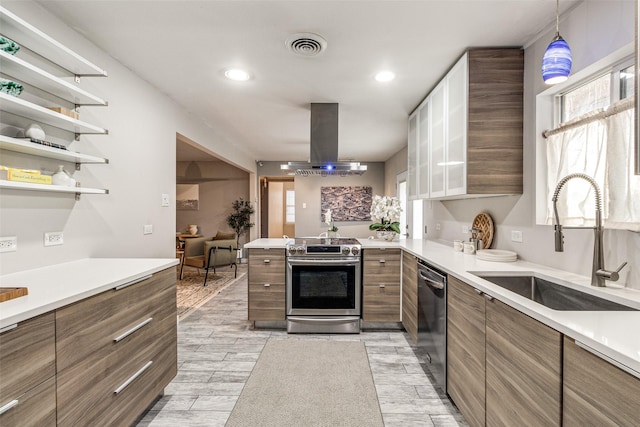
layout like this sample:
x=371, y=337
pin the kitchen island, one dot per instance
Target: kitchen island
x=93, y=343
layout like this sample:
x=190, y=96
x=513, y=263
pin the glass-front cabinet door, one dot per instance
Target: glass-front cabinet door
x=456, y=146
x=412, y=155
x=423, y=150
x=437, y=141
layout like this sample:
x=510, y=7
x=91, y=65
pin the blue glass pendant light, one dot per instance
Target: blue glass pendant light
x=556, y=62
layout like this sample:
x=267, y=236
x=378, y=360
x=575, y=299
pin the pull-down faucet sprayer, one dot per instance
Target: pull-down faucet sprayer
x=598, y=272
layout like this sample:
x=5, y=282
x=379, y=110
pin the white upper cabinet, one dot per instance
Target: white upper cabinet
x=469, y=142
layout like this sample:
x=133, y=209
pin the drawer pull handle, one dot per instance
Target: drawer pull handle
x=488, y=297
x=608, y=359
x=267, y=261
x=132, y=378
x=8, y=406
x=382, y=261
x=132, y=330
x=133, y=282
x=478, y=291
x=266, y=285
x=382, y=285
x=8, y=328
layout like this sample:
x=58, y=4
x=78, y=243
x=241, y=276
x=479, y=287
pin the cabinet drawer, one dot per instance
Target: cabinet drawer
x=35, y=408
x=376, y=254
x=88, y=328
x=27, y=356
x=266, y=302
x=266, y=267
x=381, y=303
x=381, y=270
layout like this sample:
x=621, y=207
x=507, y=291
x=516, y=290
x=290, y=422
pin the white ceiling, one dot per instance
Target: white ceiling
x=183, y=47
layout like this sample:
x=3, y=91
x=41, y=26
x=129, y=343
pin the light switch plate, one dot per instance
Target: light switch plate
x=147, y=229
x=165, y=200
x=516, y=236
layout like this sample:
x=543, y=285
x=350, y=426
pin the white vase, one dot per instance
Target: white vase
x=61, y=177
x=193, y=229
x=386, y=235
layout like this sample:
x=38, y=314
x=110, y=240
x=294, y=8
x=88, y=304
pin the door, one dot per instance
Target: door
x=401, y=186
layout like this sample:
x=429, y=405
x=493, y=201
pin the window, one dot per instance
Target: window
x=290, y=206
x=595, y=136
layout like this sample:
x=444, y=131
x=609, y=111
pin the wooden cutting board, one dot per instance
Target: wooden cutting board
x=10, y=293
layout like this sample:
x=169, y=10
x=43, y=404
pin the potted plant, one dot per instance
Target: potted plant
x=240, y=219
x=386, y=210
x=333, y=230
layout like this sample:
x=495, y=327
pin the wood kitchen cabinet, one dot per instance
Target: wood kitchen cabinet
x=503, y=367
x=466, y=137
x=466, y=350
x=381, y=285
x=267, y=284
x=597, y=392
x=523, y=369
x=27, y=373
x=116, y=351
x=410, y=295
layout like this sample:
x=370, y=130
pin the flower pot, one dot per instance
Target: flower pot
x=386, y=235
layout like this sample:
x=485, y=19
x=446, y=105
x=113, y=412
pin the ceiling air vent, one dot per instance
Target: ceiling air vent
x=306, y=44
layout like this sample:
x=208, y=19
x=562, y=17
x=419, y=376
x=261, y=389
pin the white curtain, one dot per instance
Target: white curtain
x=623, y=184
x=602, y=146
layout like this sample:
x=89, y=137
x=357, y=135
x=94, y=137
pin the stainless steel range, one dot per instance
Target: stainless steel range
x=323, y=286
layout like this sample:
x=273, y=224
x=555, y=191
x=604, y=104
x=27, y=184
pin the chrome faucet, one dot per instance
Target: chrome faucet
x=598, y=272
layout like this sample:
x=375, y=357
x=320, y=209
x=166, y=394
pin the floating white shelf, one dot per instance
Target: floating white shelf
x=28, y=73
x=20, y=107
x=13, y=185
x=32, y=38
x=27, y=147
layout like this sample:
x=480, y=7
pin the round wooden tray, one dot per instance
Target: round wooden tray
x=484, y=223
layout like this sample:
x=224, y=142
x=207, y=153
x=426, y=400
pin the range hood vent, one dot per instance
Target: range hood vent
x=324, y=146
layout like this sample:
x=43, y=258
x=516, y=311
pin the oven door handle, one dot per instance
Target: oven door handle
x=323, y=261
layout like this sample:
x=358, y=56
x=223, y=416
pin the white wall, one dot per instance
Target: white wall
x=142, y=124
x=593, y=29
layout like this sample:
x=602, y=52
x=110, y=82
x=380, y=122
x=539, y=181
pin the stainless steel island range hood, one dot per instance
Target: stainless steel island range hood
x=324, y=146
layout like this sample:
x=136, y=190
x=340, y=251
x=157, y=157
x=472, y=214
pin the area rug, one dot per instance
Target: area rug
x=191, y=294
x=309, y=383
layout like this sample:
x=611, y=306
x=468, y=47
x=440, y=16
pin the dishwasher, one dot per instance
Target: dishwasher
x=432, y=321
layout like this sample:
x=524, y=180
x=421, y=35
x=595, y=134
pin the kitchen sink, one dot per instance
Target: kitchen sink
x=553, y=295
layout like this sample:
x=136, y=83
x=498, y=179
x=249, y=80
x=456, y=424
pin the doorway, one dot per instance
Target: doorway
x=277, y=207
x=401, y=191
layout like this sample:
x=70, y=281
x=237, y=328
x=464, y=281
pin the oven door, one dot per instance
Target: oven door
x=323, y=287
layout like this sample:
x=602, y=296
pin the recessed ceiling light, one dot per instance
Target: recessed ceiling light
x=385, y=76
x=237, y=75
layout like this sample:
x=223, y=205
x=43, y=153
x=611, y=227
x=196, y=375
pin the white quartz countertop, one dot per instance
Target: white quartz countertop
x=58, y=285
x=615, y=335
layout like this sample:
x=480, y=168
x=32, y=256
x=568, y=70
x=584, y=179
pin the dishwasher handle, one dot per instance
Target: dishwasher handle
x=436, y=284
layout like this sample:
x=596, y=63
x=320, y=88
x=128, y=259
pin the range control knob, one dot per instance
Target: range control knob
x=355, y=250
x=346, y=250
x=292, y=250
x=300, y=250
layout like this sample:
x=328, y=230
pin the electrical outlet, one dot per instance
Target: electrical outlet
x=516, y=236
x=8, y=244
x=465, y=229
x=165, y=200
x=438, y=226
x=147, y=229
x=53, y=238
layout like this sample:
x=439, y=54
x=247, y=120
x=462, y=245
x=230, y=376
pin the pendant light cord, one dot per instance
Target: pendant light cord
x=557, y=18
